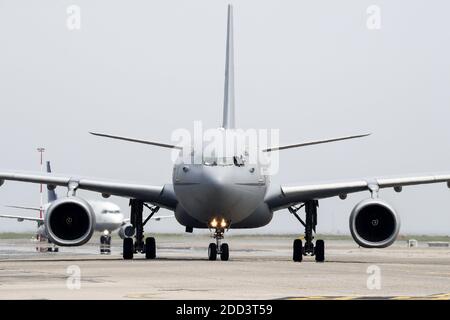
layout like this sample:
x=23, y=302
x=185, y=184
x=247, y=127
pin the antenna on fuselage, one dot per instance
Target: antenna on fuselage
x=228, y=101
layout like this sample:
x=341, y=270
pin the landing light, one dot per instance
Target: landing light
x=223, y=223
x=215, y=223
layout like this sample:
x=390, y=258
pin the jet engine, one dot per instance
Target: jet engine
x=126, y=231
x=70, y=221
x=374, y=224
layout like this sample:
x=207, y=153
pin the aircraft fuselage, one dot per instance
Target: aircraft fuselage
x=221, y=191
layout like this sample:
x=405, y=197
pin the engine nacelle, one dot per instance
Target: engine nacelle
x=374, y=224
x=70, y=221
x=126, y=231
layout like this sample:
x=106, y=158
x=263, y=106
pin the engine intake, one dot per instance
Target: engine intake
x=126, y=231
x=70, y=221
x=374, y=224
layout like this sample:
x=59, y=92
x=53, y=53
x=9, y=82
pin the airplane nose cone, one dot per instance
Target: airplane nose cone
x=216, y=181
x=222, y=192
x=120, y=217
x=221, y=197
x=218, y=194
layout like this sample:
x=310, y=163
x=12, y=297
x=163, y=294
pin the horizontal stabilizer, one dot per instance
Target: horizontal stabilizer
x=21, y=218
x=310, y=143
x=24, y=207
x=158, y=144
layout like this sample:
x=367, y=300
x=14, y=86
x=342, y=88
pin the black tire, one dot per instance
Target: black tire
x=224, y=252
x=150, y=248
x=319, y=251
x=297, y=254
x=212, y=251
x=102, y=244
x=128, y=248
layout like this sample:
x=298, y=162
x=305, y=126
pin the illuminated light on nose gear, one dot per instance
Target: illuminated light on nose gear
x=214, y=223
x=223, y=223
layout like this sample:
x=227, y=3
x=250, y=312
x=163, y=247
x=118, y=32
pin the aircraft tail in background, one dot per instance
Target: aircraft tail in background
x=51, y=194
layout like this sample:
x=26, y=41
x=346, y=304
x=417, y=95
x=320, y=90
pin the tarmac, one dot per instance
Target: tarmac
x=259, y=268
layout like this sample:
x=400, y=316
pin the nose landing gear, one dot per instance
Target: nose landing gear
x=218, y=248
x=105, y=244
x=309, y=249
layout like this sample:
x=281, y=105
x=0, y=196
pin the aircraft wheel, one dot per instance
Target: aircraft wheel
x=102, y=244
x=212, y=251
x=224, y=252
x=319, y=251
x=150, y=248
x=128, y=248
x=297, y=255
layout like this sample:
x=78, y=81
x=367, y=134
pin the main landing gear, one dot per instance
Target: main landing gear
x=309, y=249
x=44, y=244
x=137, y=245
x=218, y=248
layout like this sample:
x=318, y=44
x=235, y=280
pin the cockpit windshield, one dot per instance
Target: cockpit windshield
x=105, y=211
x=224, y=161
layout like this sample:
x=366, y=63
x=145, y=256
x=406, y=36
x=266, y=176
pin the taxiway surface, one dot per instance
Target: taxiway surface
x=259, y=268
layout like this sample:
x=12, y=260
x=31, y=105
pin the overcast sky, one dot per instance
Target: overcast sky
x=312, y=69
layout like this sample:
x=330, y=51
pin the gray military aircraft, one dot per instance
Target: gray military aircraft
x=223, y=193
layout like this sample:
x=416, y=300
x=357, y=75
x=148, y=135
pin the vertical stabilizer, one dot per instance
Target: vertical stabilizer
x=228, y=102
x=51, y=194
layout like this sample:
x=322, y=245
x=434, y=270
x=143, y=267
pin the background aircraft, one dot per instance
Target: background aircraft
x=225, y=193
x=108, y=218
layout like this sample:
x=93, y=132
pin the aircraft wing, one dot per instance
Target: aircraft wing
x=285, y=196
x=21, y=218
x=162, y=196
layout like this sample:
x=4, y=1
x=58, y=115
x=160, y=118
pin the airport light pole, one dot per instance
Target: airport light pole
x=41, y=151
